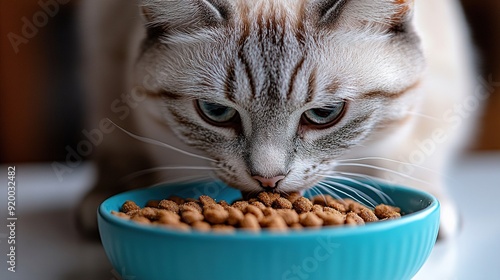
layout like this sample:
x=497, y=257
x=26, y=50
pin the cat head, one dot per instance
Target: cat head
x=276, y=91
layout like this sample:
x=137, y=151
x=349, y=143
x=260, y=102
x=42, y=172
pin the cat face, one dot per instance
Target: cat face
x=280, y=89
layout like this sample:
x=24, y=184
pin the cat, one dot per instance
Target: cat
x=276, y=95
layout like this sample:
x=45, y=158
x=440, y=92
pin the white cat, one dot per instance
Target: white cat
x=277, y=94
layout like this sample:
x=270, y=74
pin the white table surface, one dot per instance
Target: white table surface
x=48, y=246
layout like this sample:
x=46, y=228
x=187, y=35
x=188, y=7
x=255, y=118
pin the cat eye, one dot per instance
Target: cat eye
x=324, y=117
x=216, y=114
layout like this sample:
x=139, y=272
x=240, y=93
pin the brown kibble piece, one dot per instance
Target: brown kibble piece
x=310, y=219
x=293, y=196
x=129, y=206
x=169, y=205
x=241, y=205
x=289, y=216
x=317, y=208
x=302, y=205
x=255, y=211
x=322, y=199
x=215, y=216
x=367, y=215
x=121, y=215
x=179, y=226
x=266, y=198
x=153, y=203
x=132, y=213
x=332, y=217
x=383, y=211
x=140, y=219
x=223, y=228
x=338, y=205
x=250, y=222
x=354, y=206
x=296, y=226
x=192, y=216
x=201, y=226
x=191, y=206
x=269, y=211
x=235, y=216
x=282, y=203
x=213, y=206
x=224, y=204
x=168, y=217
x=277, y=223
x=353, y=219
x=148, y=212
x=176, y=199
x=206, y=200
x=259, y=205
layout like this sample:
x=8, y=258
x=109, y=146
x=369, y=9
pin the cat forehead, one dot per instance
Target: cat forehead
x=268, y=51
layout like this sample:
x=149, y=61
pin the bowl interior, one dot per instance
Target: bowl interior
x=412, y=202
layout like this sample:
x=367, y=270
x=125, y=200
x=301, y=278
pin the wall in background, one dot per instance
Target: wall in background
x=484, y=20
x=41, y=100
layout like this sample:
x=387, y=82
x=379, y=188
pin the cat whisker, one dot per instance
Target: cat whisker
x=423, y=116
x=185, y=179
x=373, y=179
x=318, y=192
x=390, y=160
x=384, y=197
x=386, y=170
x=159, y=143
x=163, y=168
x=320, y=187
x=362, y=196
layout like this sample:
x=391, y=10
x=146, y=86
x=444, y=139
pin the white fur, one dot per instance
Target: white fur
x=374, y=65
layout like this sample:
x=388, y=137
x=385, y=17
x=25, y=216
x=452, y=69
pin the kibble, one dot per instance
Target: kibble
x=310, y=219
x=255, y=211
x=129, y=206
x=265, y=211
x=169, y=205
x=353, y=219
x=250, y=222
x=235, y=216
x=302, y=205
x=383, y=211
x=192, y=216
x=282, y=203
x=191, y=206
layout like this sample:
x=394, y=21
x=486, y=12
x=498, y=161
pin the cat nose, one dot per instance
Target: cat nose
x=269, y=182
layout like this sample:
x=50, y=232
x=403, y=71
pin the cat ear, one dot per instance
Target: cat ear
x=183, y=15
x=388, y=14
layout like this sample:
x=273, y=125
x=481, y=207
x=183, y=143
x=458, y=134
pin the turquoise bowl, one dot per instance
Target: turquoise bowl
x=394, y=249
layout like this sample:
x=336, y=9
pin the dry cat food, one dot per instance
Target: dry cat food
x=266, y=211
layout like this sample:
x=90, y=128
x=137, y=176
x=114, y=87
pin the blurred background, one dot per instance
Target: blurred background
x=41, y=97
x=42, y=113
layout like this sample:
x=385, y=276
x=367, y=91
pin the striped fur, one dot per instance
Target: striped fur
x=272, y=60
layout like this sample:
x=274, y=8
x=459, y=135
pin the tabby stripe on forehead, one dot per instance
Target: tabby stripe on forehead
x=311, y=86
x=293, y=77
x=229, y=83
x=389, y=95
x=331, y=10
x=246, y=64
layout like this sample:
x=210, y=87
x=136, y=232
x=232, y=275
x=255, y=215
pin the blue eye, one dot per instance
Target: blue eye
x=324, y=117
x=216, y=114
